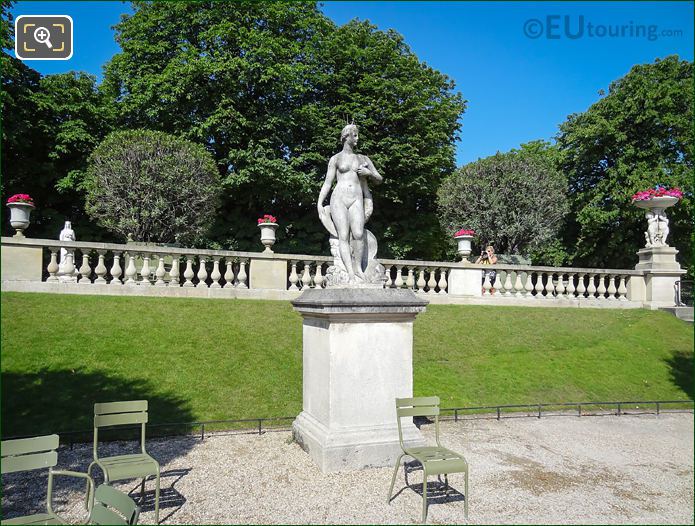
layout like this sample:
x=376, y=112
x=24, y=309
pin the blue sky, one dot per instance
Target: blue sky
x=518, y=87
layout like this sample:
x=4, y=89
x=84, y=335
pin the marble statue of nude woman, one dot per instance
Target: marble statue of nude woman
x=351, y=203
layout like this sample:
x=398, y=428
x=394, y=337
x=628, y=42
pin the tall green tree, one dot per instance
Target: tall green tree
x=49, y=127
x=636, y=136
x=266, y=87
x=514, y=200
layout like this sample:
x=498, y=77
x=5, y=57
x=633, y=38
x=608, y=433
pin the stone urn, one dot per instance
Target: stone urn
x=464, y=245
x=20, y=214
x=268, y=235
x=657, y=222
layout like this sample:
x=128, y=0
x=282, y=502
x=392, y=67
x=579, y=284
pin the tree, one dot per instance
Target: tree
x=152, y=186
x=266, y=87
x=637, y=136
x=515, y=200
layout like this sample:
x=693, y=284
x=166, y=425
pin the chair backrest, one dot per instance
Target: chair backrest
x=25, y=454
x=108, y=501
x=111, y=414
x=421, y=406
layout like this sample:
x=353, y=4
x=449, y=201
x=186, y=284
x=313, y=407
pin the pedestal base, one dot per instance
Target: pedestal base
x=352, y=448
x=661, y=273
x=357, y=359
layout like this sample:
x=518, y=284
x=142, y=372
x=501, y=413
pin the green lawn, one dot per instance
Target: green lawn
x=203, y=359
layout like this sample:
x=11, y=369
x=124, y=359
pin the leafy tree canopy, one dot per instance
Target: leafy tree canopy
x=266, y=87
x=636, y=136
x=514, y=201
x=152, y=186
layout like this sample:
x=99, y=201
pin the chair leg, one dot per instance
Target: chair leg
x=156, y=500
x=393, y=479
x=424, y=496
x=142, y=491
x=88, y=495
x=465, y=501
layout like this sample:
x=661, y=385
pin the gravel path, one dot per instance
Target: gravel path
x=554, y=470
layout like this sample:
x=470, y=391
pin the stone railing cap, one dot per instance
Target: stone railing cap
x=346, y=301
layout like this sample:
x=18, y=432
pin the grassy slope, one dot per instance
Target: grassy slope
x=212, y=359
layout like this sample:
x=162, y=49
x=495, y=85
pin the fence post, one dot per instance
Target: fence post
x=619, y=412
x=202, y=432
x=657, y=408
x=456, y=415
x=539, y=410
x=260, y=424
x=498, y=412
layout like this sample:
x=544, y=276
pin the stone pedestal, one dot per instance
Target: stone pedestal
x=357, y=359
x=661, y=271
x=21, y=263
x=465, y=282
x=269, y=274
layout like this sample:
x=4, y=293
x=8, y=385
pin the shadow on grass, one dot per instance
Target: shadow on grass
x=55, y=401
x=681, y=369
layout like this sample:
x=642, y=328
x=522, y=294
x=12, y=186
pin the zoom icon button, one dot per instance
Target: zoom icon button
x=43, y=37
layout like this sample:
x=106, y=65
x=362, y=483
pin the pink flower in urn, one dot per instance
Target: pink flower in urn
x=465, y=232
x=267, y=218
x=657, y=191
x=21, y=198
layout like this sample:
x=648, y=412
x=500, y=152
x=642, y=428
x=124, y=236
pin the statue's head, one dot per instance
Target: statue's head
x=348, y=131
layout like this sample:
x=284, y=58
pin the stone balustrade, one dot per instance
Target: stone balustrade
x=107, y=268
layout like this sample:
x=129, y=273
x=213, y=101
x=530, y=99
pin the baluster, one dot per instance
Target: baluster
x=581, y=287
x=228, y=274
x=215, y=276
x=305, y=282
x=539, y=285
x=549, y=286
x=188, y=273
x=528, y=285
x=85, y=270
x=431, y=282
x=592, y=287
x=612, y=290
x=242, y=276
x=442, y=284
x=560, y=288
x=145, y=270
x=398, y=282
x=53, y=267
x=294, y=278
x=100, y=269
x=570, y=286
x=507, y=287
x=519, y=286
x=174, y=273
x=160, y=273
x=202, y=271
x=421, y=280
x=486, y=285
x=495, y=284
x=410, y=280
x=622, y=288
x=70, y=268
x=601, y=287
x=131, y=271
x=318, y=276
x=116, y=269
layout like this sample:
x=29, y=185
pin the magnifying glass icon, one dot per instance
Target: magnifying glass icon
x=42, y=36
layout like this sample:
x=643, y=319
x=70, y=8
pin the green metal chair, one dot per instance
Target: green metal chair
x=27, y=454
x=123, y=467
x=107, y=502
x=436, y=460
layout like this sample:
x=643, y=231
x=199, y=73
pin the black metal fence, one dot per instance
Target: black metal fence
x=684, y=292
x=261, y=425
